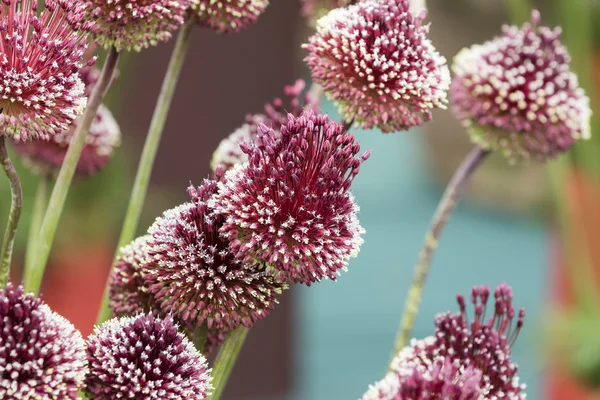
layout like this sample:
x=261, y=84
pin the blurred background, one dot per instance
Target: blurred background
x=330, y=341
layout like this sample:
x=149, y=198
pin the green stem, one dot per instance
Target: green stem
x=16, y=204
x=230, y=349
x=142, y=178
x=33, y=279
x=447, y=204
x=39, y=207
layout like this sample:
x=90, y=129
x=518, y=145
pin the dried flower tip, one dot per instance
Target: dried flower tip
x=517, y=94
x=42, y=93
x=146, y=358
x=127, y=24
x=232, y=150
x=193, y=275
x=375, y=61
x=463, y=360
x=228, y=15
x=289, y=208
x=42, y=356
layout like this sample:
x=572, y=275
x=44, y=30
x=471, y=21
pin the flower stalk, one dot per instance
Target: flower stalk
x=37, y=215
x=14, y=215
x=157, y=124
x=58, y=197
x=447, y=204
x=230, y=349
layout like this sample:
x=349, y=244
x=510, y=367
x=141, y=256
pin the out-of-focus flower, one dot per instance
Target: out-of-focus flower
x=41, y=91
x=192, y=273
x=127, y=24
x=228, y=15
x=463, y=360
x=517, y=94
x=146, y=358
x=375, y=61
x=42, y=356
x=289, y=208
x=229, y=152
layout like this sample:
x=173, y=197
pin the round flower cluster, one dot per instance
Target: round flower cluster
x=463, y=360
x=192, y=274
x=375, y=61
x=228, y=15
x=127, y=24
x=42, y=355
x=289, y=208
x=229, y=152
x=46, y=157
x=516, y=93
x=41, y=91
x=145, y=357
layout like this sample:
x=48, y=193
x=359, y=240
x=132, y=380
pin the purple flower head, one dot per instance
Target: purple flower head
x=516, y=94
x=42, y=356
x=228, y=15
x=229, y=152
x=289, y=207
x=192, y=273
x=145, y=358
x=127, y=24
x=375, y=62
x=465, y=359
x=42, y=93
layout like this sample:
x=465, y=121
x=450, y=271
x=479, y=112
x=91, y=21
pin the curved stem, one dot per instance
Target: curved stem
x=16, y=204
x=33, y=279
x=447, y=204
x=142, y=178
x=39, y=207
x=230, y=349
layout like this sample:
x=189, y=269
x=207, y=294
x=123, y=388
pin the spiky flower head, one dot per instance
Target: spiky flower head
x=42, y=356
x=228, y=15
x=289, y=208
x=145, y=358
x=465, y=359
x=516, y=93
x=229, y=152
x=375, y=61
x=127, y=24
x=192, y=273
x=41, y=91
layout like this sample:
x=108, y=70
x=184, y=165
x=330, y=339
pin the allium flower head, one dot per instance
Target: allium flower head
x=375, y=61
x=193, y=275
x=42, y=356
x=41, y=92
x=289, y=208
x=145, y=358
x=127, y=24
x=229, y=152
x=465, y=359
x=517, y=94
x=228, y=15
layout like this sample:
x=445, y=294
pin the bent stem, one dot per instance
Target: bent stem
x=34, y=276
x=230, y=349
x=16, y=204
x=39, y=208
x=447, y=204
x=142, y=178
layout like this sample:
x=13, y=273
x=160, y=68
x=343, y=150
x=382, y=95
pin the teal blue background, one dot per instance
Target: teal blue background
x=346, y=328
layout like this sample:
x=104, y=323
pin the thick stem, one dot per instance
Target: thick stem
x=230, y=349
x=142, y=178
x=33, y=279
x=39, y=208
x=447, y=204
x=16, y=204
